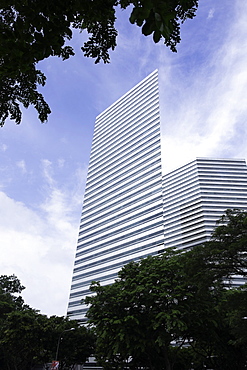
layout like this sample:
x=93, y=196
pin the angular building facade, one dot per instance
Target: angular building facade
x=197, y=194
x=129, y=212
x=122, y=216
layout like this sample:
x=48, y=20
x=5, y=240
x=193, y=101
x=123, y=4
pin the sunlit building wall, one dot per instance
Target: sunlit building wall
x=197, y=194
x=122, y=217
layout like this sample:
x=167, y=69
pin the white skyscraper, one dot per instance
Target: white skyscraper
x=197, y=194
x=128, y=211
x=122, y=217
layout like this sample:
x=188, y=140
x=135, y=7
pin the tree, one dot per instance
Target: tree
x=28, y=338
x=34, y=30
x=10, y=286
x=21, y=340
x=162, y=302
x=76, y=346
x=152, y=305
x=228, y=247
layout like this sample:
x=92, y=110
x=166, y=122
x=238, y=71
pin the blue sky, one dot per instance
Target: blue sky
x=43, y=167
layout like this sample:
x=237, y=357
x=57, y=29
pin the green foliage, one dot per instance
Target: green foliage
x=150, y=306
x=75, y=346
x=10, y=286
x=28, y=338
x=225, y=253
x=22, y=88
x=161, y=303
x=163, y=18
x=32, y=31
x=21, y=339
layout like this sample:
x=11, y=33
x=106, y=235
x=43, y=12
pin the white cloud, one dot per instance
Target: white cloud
x=22, y=165
x=38, y=245
x=206, y=117
x=47, y=171
x=3, y=147
x=211, y=13
x=61, y=162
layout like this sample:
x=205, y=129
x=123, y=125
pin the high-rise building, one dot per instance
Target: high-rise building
x=197, y=194
x=122, y=216
x=128, y=212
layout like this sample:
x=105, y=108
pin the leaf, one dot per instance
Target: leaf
x=156, y=36
x=148, y=28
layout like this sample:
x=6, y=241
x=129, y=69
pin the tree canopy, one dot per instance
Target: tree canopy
x=177, y=308
x=28, y=338
x=34, y=30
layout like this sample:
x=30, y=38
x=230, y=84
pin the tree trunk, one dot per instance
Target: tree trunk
x=166, y=358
